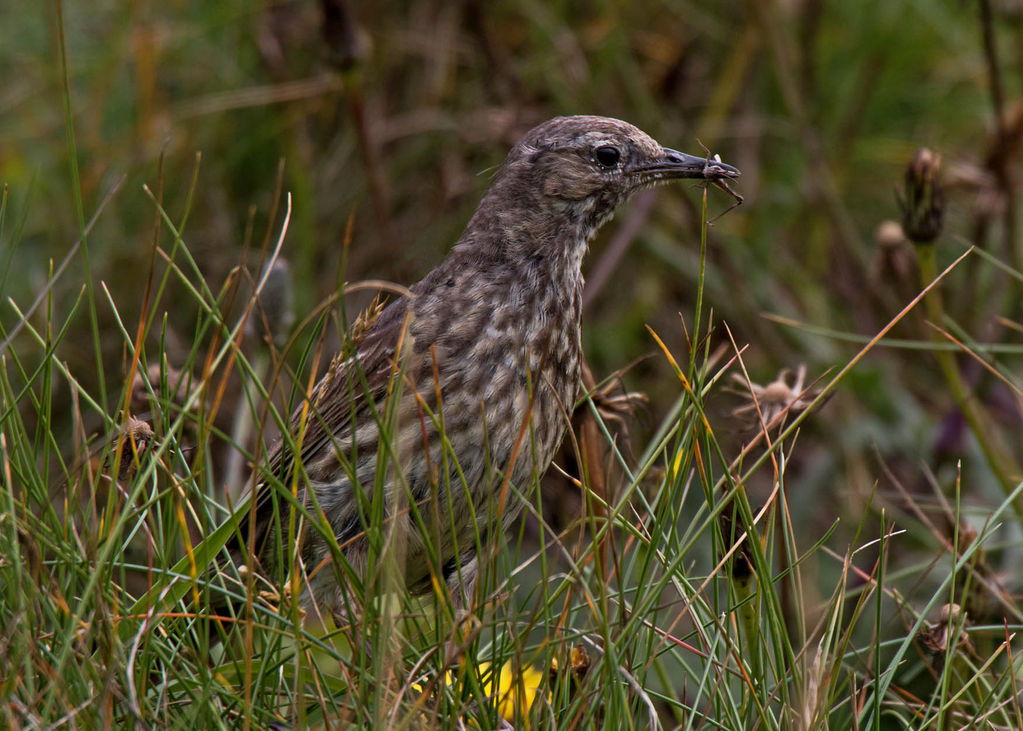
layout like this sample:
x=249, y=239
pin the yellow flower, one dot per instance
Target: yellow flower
x=515, y=691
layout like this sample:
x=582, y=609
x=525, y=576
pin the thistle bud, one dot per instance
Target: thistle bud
x=923, y=201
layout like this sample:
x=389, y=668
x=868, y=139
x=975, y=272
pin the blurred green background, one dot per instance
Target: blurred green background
x=394, y=115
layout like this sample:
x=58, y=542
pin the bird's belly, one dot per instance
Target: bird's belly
x=469, y=454
x=475, y=480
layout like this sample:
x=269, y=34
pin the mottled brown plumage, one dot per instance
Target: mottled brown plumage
x=489, y=341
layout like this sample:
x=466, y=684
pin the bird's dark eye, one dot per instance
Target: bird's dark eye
x=607, y=156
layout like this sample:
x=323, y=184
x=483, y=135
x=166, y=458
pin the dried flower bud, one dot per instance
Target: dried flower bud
x=144, y=401
x=923, y=201
x=889, y=235
x=937, y=636
x=776, y=398
x=136, y=438
x=894, y=265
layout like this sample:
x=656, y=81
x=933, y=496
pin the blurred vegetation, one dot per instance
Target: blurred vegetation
x=384, y=120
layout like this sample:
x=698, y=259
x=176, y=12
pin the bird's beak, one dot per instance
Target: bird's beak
x=675, y=164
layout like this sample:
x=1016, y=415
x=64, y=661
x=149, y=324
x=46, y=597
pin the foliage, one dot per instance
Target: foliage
x=189, y=192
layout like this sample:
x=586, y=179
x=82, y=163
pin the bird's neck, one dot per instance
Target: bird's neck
x=543, y=238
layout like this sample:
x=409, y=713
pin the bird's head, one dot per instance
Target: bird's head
x=597, y=162
x=565, y=178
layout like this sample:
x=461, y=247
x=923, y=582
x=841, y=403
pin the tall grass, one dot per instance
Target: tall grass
x=672, y=601
x=720, y=562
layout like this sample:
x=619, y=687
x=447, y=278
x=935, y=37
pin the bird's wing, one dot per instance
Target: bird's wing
x=350, y=389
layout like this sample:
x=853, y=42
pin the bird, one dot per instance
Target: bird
x=459, y=393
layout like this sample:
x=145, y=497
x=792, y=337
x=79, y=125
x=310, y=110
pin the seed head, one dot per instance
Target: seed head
x=923, y=200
